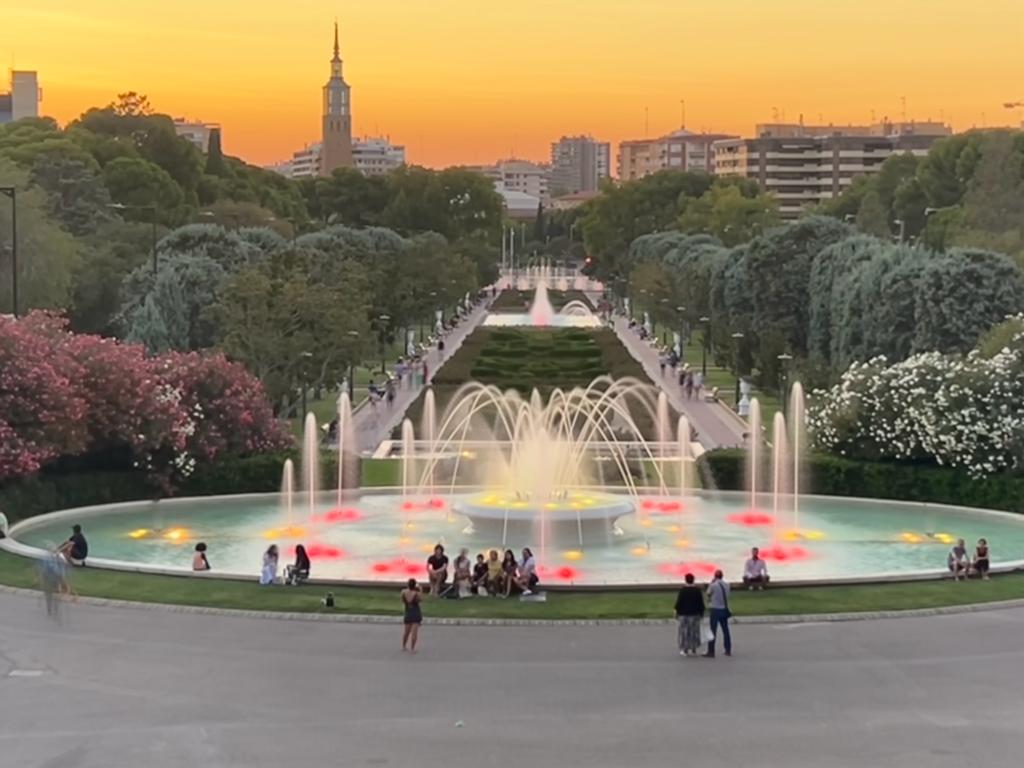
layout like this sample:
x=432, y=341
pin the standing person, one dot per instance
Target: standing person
x=437, y=570
x=268, y=574
x=981, y=561
x=957, y=560
x=698, y=385
x=755, y=571
x=463, y=575
x=412, y=615
x=661, y=364
x=199, y=561
x=689, y=386
x=718, y=612
x=389, y=390
x=689, y=612
x=76, y=548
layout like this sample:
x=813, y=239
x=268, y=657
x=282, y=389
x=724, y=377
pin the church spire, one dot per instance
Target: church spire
x=337, y=48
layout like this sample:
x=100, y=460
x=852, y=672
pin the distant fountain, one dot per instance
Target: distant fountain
x=428, y=431
x=686, y=483
x=346, y=442
x=408, y=455
x=310, y=462
x=288, y=491
x=780, y=468
x=754, y=451
x=541, y=311
x=798, y=439
x=576, y=308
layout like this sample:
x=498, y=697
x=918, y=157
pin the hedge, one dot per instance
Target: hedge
x=47, y=492
x=830, y=475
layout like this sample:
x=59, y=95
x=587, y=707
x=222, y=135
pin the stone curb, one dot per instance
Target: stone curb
x=356, y=618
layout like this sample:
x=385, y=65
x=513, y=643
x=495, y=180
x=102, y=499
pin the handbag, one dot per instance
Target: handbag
x=706, y=634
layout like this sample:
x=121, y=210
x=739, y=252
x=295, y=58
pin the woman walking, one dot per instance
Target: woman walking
x=413, y=616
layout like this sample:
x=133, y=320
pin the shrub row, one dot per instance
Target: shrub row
x=830, y=475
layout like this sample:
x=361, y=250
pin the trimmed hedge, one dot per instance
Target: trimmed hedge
x=830, y=475
x=48, y=492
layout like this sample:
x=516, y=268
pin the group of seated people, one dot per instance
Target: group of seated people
x=962, y=566
x=489, y=576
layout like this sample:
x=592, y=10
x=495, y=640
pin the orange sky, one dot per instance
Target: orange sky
x=467, y=81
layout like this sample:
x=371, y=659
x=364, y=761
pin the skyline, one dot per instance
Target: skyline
x=460, y=85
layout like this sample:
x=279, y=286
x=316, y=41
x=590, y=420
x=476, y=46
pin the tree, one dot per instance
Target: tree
x=346, y=197
x=131, y=104
x=872, y=217
x=215, y=156
x=539, y=228
x=137, y=182
x=732, y=212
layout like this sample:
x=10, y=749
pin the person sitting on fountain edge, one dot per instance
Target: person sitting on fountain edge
x=480, y=574
x=755, y=571
x=437, y=570
x=495, y=573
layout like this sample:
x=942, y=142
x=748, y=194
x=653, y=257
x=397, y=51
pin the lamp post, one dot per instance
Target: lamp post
x=152, y=220
x=12, y=193
x=737, y=338
x=784, y=359
x=383, y=324
x=903, y=229
x=704, y=347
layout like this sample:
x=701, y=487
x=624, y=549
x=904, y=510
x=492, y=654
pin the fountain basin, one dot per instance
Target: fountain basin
x=521, y=319
x=587, y=513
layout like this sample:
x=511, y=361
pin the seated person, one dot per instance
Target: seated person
x=526, y=577
x=480, y=575
x=76, y=548
x=437, y=570
x=957, y=561
x=495, y=573
x=297, y=572
x=755, y=571
x=463, y=574
x=509, y=569
x=981, y=561
x=199, y=561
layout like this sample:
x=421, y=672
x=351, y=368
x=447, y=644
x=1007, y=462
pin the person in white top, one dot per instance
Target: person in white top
x=755, y=571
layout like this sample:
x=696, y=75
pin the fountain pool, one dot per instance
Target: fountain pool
x=387, y=536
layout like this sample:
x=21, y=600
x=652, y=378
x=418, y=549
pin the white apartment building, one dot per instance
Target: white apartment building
x=802, y=171
x=23, y=99
x=196, y=131
x=680, y=150
x=372, y=156
x=519, y=176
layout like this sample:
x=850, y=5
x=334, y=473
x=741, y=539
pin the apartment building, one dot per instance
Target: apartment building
x=680, y=150
x=22, y=100
x=579, y=164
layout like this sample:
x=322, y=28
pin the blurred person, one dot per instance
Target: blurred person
x=463, y=573
x=76, y=548
x=509, y=567
x=268, y=573
x=412, y=615
x=437, y=570
x=981, y=559
x=689, y=612
x=297, y=572
x=199, y=561
x=495, y=573
x=718, y=612
x=755, y=571
x=957, y=561
x=526, y=576
x=480, y=574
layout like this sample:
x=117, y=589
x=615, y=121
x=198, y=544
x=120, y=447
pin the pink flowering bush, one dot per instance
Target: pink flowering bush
x=66, y=395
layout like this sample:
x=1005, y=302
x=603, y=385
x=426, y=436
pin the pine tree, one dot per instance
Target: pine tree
x=214, y=155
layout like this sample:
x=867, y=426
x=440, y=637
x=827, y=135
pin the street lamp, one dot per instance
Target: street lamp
x=737, y=338
x=381, y=327
x=903, y=228
x=12, y=193
x=704, y=347
x=152, y=209
x=784, y=359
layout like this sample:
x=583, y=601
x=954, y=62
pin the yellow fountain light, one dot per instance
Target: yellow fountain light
x=640, y=551
x=551, y=505
x=285, y=532
x=945, y=538
x=646, y=523
x=176, y=534
x=140, y=533
x=673, y=529
x=911, y=538
x=468, y=455
x=427, y=547
x=410, y=526
x=814, y=535
x=518, y=504
x=681, y=543
x=572, y=554
x=575, y=505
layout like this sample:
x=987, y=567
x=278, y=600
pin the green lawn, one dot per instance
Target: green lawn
x=20, y=572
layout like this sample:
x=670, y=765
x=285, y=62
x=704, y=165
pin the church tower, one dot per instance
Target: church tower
x=337, y=120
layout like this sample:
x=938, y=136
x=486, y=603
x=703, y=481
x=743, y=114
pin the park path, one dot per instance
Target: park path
x=374, y=423
x=716, y=427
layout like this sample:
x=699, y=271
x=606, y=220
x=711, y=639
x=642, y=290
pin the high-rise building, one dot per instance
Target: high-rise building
x=196, y=131
x=680, y=150
x=578, y=164
x=23, y=98
x=802, y=171
x=337, y=118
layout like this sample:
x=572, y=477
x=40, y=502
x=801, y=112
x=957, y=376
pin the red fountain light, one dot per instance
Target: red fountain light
x=399, y=566
x=343, y=515
x=423, y=506
x=320, y=552
x=679, y=570
x=661, y=507
x=782, y=554
x=559, y=573
x=751, y=519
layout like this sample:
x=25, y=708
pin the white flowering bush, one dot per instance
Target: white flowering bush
x=963, y=411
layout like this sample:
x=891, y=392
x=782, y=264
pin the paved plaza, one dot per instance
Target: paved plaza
x=122, y=687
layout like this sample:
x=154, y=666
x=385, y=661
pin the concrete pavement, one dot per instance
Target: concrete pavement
x=715, y=427
x=117, y=687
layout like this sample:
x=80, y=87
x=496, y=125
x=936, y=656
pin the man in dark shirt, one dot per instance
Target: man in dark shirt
x=689, y=610
x=437, y=570
x=75, y=549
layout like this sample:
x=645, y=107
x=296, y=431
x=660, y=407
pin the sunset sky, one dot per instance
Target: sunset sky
x=468, y=81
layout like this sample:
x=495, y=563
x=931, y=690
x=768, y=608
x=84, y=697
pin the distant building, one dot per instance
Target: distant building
x=575, y=200
x=883, y=128
x=680, y=150
x=518, y=176
x=23, y=99
x=578, y=164
x=519, y=206
x=801, y=171
x=336, y=125
x=196, y=132
x=371, y=156
x=377, y=156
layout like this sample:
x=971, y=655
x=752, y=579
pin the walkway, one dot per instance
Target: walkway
x=121, y=687
x=716, y=426
x=375, y=423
